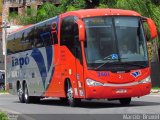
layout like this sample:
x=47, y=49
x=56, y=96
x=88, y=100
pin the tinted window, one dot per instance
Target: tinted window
x=67, y=30
x=10, y=44
x=42, y=35
x=69, y=36
x=37, y=36
x=38, y=42
x=20, y=41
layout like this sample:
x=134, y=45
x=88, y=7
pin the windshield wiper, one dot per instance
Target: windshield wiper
x=109, y=58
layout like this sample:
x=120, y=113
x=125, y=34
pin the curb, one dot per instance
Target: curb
x=155, y=91
x=4, y=93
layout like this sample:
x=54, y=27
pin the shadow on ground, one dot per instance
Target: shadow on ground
x=95, y=103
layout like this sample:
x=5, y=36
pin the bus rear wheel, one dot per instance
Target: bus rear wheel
x=20, y=93
x=125, y=101
x=26, y=95
x=30, y=99
x=70, y=98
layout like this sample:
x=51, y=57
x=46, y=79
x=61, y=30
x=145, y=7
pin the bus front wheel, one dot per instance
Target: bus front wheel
x=71, y=100
x=125, y=101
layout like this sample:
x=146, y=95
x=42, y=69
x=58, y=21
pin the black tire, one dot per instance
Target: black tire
x=63, y=100
x=125, y=101
x=30, y=99
x=70, y=99
x=20, y=93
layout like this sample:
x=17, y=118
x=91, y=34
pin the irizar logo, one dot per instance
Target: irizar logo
x=20, y=61
x=136, y=74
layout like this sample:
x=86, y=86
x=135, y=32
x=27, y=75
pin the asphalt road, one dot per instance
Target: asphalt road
x=95, y=109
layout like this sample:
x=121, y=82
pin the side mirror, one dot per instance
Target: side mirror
x=152, y=28
x=81, y=29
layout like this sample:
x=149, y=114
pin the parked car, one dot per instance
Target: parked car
x=2, y=80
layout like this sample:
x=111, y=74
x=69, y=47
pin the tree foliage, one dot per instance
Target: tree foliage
x=148, y=8
x=3, y=116
x=70, y=5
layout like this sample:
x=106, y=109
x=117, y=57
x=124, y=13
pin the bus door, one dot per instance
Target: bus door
x=70, y=39
x=79, y=62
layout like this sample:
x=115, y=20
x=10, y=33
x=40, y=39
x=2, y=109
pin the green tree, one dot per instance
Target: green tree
x=148, y=8
x=3, y=116
x=70, y=5
x=144, y=7
x=47, y=10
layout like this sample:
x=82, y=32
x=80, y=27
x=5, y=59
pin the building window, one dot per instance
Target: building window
x=13, y=10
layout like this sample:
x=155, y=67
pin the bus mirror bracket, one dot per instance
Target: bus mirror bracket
x=152, y=27
x=81, y=30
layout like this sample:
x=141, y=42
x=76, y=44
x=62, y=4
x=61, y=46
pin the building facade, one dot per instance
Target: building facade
x=19, y=6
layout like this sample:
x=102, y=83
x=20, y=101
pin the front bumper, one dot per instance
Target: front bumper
x=114, y=91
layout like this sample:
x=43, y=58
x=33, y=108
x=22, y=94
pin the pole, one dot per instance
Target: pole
x=4, y=39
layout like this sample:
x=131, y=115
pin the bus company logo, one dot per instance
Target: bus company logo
x=136, y=74
x=103, y=74
x=20, y=61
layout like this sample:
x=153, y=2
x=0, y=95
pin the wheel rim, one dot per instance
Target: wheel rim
x=70, y=93
x=20, y=92
x=26, y=93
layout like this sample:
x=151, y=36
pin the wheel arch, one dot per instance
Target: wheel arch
x=18, y=85
x=23, y=84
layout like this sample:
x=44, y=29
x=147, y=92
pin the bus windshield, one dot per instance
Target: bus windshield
x=115, y=42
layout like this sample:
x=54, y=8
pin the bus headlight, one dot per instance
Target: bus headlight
x=91, y=82
x=146, y=80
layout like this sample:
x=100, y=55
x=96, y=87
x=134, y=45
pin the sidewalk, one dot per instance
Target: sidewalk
x=4, y=93
x=155, y=91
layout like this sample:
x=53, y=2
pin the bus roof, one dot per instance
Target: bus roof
x=21, y=28
x=29, y=26
x=83, y=13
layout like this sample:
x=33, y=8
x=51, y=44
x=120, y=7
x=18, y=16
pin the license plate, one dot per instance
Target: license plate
x=121, y=91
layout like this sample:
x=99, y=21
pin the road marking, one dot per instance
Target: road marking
x=12, y=113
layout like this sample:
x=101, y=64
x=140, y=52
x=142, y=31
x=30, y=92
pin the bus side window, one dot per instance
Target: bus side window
x=46, y=35
x=38, y=42
x=10, y=45
x=77, y=43
x=30, y=36
x=18, y=46
x=67, y=37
